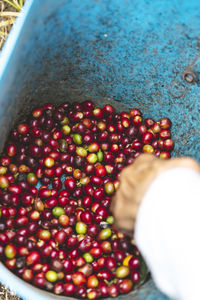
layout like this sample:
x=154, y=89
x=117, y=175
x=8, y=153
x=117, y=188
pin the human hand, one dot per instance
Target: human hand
x=134, y=182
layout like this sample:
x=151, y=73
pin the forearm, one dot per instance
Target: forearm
x=167, y=232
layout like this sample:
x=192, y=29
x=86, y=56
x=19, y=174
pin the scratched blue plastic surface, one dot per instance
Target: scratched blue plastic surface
x=129, y=53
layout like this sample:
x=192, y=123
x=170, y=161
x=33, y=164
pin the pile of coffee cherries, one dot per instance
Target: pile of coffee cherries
x=58, y=173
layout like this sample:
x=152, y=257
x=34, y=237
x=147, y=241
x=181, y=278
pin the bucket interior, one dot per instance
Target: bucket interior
x=125, y=53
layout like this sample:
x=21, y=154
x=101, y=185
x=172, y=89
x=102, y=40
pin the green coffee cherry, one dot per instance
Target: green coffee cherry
x=81, y=228
x=92, y=158
x=58, y=211
x=51, y=276
x=66, y=129
x=109, y=188
x=104, y=234
x=4, y=183
x=81, y=151
x=100, y=156
x=10, y=251
x=110, y=220
x=88, y=257
x=77, y=138
x=122, y=272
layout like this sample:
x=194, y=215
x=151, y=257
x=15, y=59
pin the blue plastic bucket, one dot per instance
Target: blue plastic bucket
x=129, y=53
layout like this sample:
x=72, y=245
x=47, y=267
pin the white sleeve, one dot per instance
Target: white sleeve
x=167, y=232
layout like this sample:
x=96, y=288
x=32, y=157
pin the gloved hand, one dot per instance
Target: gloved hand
x=134, y=182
